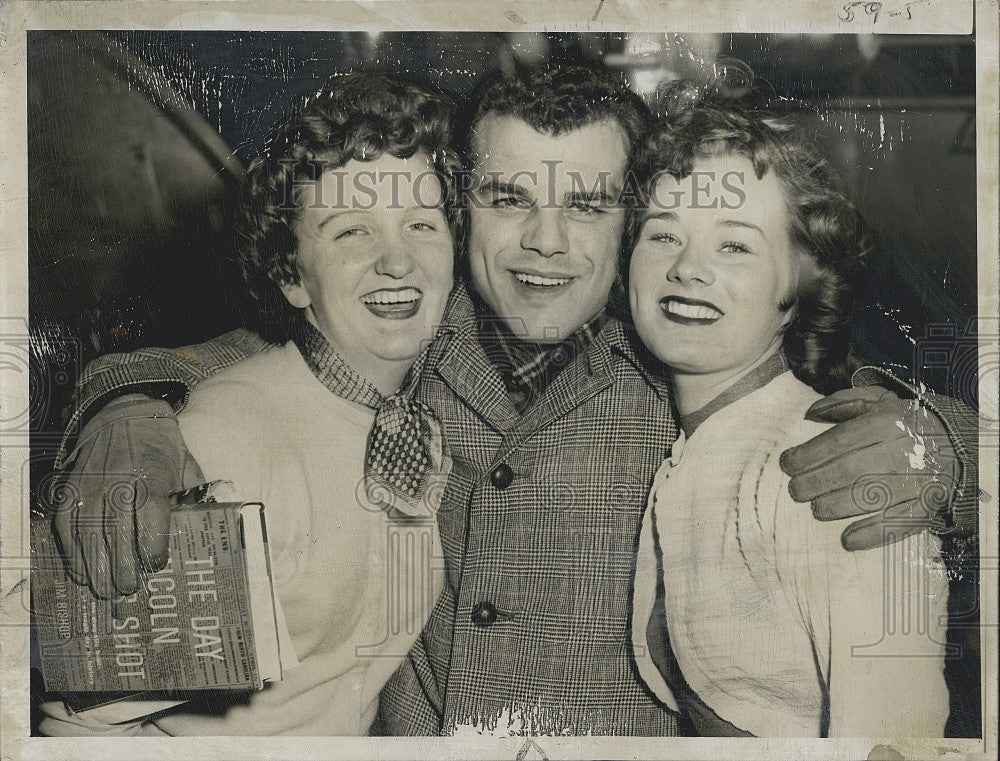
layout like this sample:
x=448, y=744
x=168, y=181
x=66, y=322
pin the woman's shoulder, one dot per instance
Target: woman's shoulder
x=778, y=411
x=252, y=380
x=237, y=396
x=258, y=371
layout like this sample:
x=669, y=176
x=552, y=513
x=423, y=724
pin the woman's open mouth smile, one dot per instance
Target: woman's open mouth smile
x=690, y=311
x=393, y=303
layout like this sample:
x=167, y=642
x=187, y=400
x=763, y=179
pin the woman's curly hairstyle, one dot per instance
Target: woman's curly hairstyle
x=354, y=117
x=824, y=223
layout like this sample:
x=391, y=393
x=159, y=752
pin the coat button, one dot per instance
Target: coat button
x=501, y=476
x=484, y=614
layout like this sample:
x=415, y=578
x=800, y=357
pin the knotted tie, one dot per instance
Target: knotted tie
x=406, y=467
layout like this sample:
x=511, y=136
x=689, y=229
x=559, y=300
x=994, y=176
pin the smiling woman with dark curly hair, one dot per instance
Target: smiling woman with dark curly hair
x=749, y=617
x=346, y=225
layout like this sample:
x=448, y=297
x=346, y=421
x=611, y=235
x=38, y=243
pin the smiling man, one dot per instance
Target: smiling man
x=554, y=419
x=546, y=223
x=545, y=406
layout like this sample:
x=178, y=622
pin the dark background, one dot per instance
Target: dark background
x=136, y=141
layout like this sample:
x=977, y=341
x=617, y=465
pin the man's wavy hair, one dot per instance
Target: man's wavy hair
x=825, y=224
x=354, y=117
x=556, y=97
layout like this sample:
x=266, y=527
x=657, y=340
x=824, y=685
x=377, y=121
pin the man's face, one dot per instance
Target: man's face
x=546, y=223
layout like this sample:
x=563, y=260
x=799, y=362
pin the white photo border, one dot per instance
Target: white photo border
x=800, y=16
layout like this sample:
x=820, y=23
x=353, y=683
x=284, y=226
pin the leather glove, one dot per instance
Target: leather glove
x=886, y=458
x=112, y=511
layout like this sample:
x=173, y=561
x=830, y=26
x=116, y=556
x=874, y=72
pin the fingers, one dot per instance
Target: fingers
x=95, y=529
x=64, y=526
x=92, y=547
x=120, y=530
x=885, y=459
x=152, y=531
x=845, y=438
x=105, y=498
x=79, y=526
x=837, y=504
x=879, y=492
x=151, y=523
x=847, y=403
x=891, y=525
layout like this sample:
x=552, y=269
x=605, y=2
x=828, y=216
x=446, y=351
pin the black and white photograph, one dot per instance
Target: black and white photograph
x=535, y=381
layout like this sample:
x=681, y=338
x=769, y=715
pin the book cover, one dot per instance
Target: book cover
x=206, y=621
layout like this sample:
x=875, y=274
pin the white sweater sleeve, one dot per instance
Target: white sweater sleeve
x=877, y=619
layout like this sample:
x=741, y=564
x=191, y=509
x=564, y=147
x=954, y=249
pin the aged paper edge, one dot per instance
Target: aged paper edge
x=802, y=16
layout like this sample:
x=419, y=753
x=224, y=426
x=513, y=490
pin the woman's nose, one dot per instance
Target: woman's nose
x=394, y=260
x=691, y=265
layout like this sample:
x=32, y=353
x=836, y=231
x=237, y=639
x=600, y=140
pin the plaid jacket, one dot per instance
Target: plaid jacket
x=539, y=525
x=551, y=552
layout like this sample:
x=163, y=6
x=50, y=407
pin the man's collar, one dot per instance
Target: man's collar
x=615, y=337
x=622, y=339
x=459, y=311
x=528, y=368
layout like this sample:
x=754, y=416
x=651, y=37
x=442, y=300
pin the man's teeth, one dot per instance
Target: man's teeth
x=528, y=279
x=693, y=311
x=392, y=297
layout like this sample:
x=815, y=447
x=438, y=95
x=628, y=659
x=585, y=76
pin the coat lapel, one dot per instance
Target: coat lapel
x=473, y=379
x=462, y=364
x=589, y=374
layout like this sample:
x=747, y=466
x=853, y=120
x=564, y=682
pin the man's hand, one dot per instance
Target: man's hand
x=113, y=508
x=887, y=458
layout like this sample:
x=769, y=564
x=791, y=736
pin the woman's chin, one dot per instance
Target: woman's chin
x=401, y=350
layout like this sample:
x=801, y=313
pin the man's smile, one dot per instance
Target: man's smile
x=393, y=303
x=538, y=280
x=689, y=311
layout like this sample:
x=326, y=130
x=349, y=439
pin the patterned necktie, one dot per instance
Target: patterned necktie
x=406, y=465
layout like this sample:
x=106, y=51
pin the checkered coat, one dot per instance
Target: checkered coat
x=539, y=525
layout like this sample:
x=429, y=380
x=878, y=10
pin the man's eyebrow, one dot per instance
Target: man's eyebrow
x=592, y=196
x=498, y=187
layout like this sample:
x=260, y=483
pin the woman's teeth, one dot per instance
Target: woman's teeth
x=392, y=297
x=528, y=279
x=692, y=311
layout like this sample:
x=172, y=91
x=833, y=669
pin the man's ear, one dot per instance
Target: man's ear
x=296, y=294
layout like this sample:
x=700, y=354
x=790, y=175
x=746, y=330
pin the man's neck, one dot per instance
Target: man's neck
x=488, y=320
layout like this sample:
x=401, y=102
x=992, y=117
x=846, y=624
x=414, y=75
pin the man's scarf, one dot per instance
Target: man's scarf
x=528, y=368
